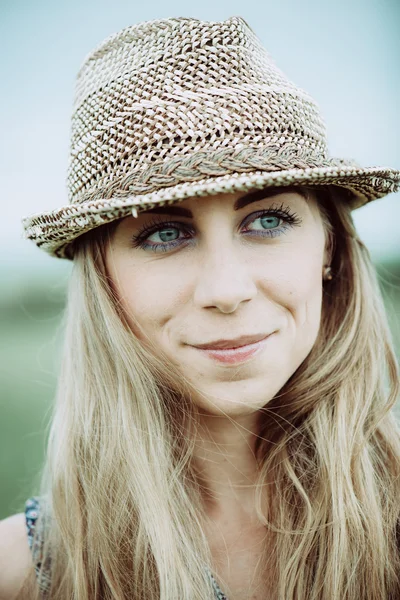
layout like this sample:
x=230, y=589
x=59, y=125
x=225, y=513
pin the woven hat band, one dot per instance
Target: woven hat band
x=202, y=164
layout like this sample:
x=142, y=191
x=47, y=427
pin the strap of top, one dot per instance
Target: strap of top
x=32, y=508
x=219, y=594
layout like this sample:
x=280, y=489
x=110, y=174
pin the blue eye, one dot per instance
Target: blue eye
x=269, y=222
x=272, y=223
x=167, y=233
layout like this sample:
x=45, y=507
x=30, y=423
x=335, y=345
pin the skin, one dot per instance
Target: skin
x=223, y=280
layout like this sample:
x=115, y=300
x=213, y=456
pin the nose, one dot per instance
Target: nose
x=224, y=279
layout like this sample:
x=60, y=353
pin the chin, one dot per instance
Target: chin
x=236, y=397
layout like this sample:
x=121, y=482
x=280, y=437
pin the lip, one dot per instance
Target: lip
x=239, y=342
x=236, y=355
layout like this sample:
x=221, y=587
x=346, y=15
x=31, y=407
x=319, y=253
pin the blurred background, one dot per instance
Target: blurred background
x=345, y=54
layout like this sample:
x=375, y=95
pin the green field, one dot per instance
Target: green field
x=30, y=347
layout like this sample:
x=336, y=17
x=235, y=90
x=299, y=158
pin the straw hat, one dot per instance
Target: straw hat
x=178, y=107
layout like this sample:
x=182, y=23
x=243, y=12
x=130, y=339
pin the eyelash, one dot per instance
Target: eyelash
x=157, y=224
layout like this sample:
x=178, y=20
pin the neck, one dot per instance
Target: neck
x=226, y=465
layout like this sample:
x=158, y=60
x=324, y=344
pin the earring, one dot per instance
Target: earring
x=327, y=273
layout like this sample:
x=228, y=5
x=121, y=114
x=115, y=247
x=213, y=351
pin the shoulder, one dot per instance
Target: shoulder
x=15, y=555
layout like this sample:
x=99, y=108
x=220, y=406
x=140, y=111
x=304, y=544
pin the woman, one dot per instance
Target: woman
x=223, y=418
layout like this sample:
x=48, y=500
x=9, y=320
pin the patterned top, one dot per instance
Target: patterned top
x=31, y=516
x=32, y=507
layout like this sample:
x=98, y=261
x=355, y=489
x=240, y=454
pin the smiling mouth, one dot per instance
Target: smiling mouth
x=240, y=342
x=234, y=356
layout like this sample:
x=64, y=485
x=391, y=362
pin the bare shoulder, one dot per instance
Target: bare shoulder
x=15, y=556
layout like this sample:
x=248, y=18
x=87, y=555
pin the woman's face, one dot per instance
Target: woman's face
x=221, y=267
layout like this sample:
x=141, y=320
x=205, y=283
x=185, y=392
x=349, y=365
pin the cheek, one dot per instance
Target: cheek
x=307, y=312
x=305, y=305
x=295, y=286
x=148, y=297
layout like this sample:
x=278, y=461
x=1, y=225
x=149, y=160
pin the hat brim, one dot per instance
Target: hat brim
x=53, y=231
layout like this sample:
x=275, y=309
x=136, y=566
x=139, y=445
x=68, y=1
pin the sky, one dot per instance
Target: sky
x=345, y=54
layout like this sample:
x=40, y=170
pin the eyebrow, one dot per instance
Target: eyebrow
x=241, y=202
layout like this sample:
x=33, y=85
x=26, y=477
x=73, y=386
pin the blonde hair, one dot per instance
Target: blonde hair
x=123, y=498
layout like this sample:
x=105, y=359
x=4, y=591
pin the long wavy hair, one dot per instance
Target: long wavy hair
x=124, y=505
